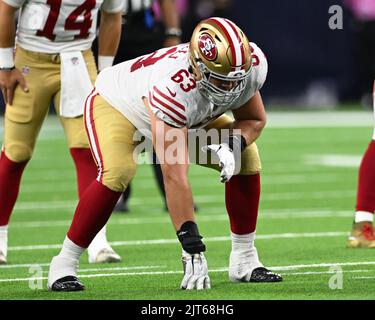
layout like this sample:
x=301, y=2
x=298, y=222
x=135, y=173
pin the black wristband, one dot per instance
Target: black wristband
x=190, y=239
x=7, y=68
x=235, y=141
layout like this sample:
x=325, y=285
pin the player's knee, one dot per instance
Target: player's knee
x=118, y=178
x=19, y=152
x=250, y=161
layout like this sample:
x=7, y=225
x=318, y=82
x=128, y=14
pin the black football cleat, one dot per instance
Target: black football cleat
x=68, y=283
x=262, y=274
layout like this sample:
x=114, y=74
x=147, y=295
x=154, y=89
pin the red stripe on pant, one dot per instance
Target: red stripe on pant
x=242, y=194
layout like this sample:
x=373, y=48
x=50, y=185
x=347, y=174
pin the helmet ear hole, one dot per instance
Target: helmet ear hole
x=193, y=69
x=197, y=75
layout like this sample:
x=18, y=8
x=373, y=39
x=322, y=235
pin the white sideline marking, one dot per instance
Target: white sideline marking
x=209, y=218
x=207, y=239
x=225, y=269
x=335, y=160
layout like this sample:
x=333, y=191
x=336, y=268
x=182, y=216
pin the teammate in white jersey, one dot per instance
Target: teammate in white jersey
x=168, y=95
x=52, y=62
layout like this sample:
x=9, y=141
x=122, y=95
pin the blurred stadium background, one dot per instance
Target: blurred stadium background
x=310, y=65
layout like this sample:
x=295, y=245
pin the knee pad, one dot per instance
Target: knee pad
x=250, y=160
x=18, y=151
x=118, y=178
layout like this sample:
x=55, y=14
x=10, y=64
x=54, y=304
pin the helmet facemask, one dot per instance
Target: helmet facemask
x=219, y=89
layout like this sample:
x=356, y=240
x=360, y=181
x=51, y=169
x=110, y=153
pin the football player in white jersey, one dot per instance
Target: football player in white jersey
x=53, y=61
x=171, y=96
x=363, y=232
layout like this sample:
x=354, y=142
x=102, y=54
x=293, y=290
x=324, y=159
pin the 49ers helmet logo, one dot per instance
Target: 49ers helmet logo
x=207, y=46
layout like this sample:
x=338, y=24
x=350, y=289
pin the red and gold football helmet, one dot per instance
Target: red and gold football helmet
x=220, y=56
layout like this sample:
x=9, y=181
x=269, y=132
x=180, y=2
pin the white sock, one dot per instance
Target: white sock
x=4, y=239
x=242, y=241
x=244, y=256
x=100, y=242
x=70, y=250
x=361, y=216
x=65, y=263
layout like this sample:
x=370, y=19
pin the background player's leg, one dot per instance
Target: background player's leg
x=122, y=204
x=363, y=234
x=366, y=186
x=159, y=177
x=22, y=123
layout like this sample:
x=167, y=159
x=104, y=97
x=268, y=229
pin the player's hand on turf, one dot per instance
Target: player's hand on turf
x=195, y=272
x=9, y=79
x=226, y=159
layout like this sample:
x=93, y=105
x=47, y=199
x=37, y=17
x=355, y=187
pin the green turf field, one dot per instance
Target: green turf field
x=309, y=178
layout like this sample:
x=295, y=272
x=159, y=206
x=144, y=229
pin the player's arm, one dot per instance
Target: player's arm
x=250, y=120
x=171, y=21
x=175, y=171
x=9, y=75
x=109, y=38
x=170, y=142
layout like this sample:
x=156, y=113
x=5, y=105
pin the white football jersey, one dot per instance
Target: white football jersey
x=164, y=78
x=54, y=26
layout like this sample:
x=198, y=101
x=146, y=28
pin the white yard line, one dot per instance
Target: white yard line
x=30, y=188
x=325, y=272
x=45, y=264
x=207, y=239
x=319, y=119
x=275, y=119
x=300, y=214
x=278, y=268
x=281, y=196
x=334, y=160
x=23, y=265
x=224, y=269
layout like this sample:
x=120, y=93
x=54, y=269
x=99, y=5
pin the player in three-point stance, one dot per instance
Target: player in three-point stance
x=53, y=61
x=168, y=92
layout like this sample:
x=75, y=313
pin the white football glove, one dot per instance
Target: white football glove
x=227, y=161
x=195, y=271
